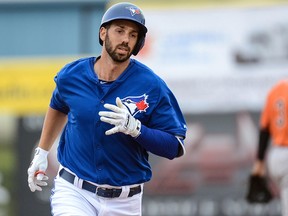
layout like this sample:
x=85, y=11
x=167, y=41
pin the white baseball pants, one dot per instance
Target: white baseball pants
x=69, y=200
x=277, y=163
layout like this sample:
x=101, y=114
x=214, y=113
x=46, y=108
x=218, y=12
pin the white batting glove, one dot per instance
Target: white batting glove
x=120, y=117
x=36, y=170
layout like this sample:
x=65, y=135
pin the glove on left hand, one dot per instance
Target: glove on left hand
x=36, y=171
x=258, y=190
x=120, y=117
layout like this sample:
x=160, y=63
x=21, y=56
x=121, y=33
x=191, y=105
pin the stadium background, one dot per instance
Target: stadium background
x=219, y=57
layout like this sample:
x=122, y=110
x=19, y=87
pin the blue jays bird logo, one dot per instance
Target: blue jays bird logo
x=136, y=104
x=134, y=10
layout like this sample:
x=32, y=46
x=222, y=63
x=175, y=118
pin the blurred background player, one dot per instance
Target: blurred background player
x=274, y=125
x=114, y=111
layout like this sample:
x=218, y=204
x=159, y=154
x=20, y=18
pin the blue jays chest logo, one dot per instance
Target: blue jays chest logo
x=136, y=104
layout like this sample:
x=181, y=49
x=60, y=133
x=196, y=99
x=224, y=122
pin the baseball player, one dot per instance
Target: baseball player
x=113, y=111
x=274, y=125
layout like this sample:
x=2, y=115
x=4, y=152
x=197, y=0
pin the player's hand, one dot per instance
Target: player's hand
x=36, y=170
x=120, y=117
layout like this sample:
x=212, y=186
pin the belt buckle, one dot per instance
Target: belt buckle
x=107, y=192
x=97, y=190
x=114, y=193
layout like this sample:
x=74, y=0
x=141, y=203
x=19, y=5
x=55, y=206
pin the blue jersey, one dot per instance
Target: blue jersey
x=84, y=148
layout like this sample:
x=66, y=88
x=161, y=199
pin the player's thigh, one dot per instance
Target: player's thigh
x=131, y=206
x=67, y=200
x=284, y=196
x=276, y=158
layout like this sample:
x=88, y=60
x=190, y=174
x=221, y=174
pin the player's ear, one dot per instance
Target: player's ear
x=102, y=33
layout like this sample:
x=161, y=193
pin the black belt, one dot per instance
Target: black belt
x=100, y=191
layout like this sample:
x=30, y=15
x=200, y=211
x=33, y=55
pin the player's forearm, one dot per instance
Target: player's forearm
x=53, y=124
x=259, y=165
x=264, y=137
x=158, y=142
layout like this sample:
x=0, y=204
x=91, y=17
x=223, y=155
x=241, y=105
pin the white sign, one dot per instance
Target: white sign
x=218, y=60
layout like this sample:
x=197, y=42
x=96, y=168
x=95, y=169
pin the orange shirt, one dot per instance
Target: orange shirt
x=274, y=116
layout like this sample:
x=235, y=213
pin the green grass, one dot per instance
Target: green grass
x=7, y=169
x=7, y=158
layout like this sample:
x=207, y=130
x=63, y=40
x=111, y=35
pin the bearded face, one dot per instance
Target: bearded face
x=113, y=51
x=120, y=38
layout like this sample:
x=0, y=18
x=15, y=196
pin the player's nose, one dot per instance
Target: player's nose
x=125, y=39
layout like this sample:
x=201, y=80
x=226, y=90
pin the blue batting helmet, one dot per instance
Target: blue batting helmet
x=126, y=11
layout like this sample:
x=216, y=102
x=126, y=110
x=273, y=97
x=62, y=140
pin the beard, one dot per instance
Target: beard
x=112, y=52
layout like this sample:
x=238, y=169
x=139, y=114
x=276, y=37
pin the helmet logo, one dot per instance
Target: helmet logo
x=134, y=10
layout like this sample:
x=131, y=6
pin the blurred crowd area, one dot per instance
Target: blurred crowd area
x=219, y=58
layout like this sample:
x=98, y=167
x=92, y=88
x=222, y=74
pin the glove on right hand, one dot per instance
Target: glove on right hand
x=36, y=171
x=120, y=117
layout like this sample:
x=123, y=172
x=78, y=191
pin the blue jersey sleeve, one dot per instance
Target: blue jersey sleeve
x=158, y=142
x=167, y=115
x=57, y=102
x=165, y=131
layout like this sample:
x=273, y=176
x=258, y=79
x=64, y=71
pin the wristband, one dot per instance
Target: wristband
x=42, y=152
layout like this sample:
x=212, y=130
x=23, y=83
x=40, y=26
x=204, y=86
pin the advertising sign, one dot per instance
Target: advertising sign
x=218, y=59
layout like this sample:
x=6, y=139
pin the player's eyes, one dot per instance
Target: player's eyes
x=134, y=35
x=121, y=31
